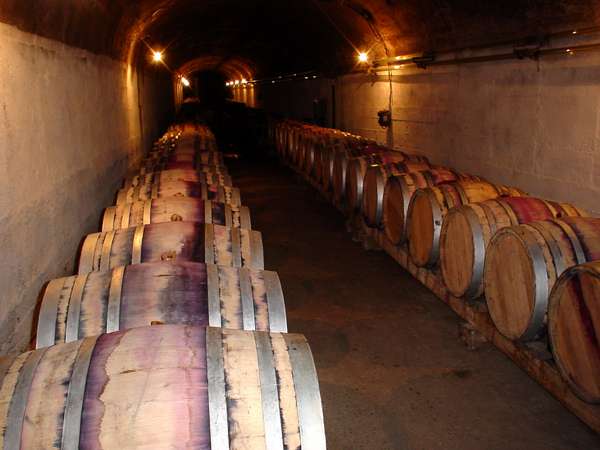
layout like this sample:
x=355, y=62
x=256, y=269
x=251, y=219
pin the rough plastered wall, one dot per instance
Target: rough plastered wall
x=525, y=123
x=70, y=122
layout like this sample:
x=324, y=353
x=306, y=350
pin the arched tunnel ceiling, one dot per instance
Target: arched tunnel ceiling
x=291, y=35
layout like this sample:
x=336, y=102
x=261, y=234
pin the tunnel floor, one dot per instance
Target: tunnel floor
x=393, y=372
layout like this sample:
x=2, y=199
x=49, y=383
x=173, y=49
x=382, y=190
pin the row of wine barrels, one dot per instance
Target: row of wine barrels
x=429, y=206
x=574, y=328
x=138, y=295
x=158, y=189
x=197, y=159
x=164, y=386
x=467, y=230
x=392, y=162
x=522, y=265
x=174, y=209
x=180, y=241
x=190, y=176
x=398, y=192
x=374, y=183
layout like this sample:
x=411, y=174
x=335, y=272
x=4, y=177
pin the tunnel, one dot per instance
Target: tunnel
x=499, y=95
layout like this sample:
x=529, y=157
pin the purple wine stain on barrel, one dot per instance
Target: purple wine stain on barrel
x=150, y=389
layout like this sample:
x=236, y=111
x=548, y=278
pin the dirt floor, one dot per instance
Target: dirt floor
x=392, y=370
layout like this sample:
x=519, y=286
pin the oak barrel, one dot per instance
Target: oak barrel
x=208, y=174
x=166, y=292
x=428, y=207
x=163, y=387
x=180, y=241
x=147, y=191
x=199, y=160
x=174, y=209
x=522, y=265
x=374, y=183
x=398, y=192
x=467, y=230
x=178, y=175
x=574, y=328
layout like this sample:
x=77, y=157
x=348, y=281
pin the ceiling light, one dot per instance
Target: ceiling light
x=157, y=56
x=363, y=57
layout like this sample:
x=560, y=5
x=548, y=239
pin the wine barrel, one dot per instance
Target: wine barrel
x=180, y=241
x=428, y=207
x=522, y=265
x=357, y=169
x=307, y=165
x=215, y=171
x=214, y=192
x=467, y=230
x=325, y=165
x=190, y=176
x=198, y=159
x=166, y=292
x=398, y=192
x=341, y=160
x=338, y=175
x=574, y=328
x=374, y=183
x=175, y=209
x=164, y=387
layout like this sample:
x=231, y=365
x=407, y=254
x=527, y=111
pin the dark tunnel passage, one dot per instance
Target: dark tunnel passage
x=505, y=91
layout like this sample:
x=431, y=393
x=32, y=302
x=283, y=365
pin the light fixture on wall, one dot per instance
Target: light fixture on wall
x=185, y=81
x=362, y=57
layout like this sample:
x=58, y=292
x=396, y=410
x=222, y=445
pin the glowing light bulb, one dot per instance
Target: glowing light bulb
x=157, y=56
x=244, y=81
x=185, y=81
x=363, y=57
x=237, y=82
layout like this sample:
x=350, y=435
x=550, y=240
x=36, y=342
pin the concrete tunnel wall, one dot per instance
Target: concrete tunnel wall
x=530, y=124
x=71, y=123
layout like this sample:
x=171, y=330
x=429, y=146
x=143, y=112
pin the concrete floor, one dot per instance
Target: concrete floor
x=392, y=371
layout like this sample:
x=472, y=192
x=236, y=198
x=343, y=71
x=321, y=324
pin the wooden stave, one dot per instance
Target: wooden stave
x=582, y=389
x=175, y=209
x=180, y=241
x=552, y=247
x=374, y=183
x=485, y=219
x=184, y=370
x=136, y=295
x=444, y=197
x=203, y=191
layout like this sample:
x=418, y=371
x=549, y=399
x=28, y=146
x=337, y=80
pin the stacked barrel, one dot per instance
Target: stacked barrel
x=171, y=334
x=535, y=262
